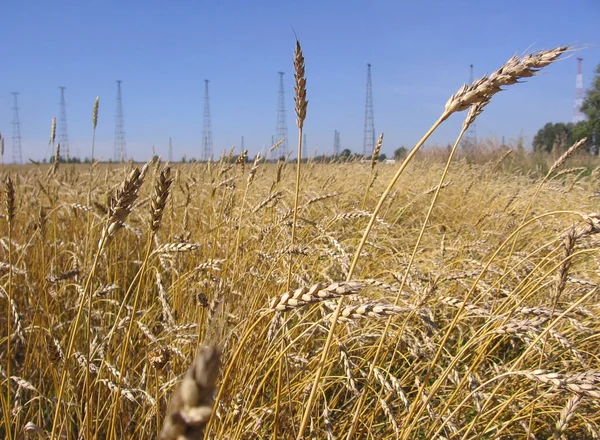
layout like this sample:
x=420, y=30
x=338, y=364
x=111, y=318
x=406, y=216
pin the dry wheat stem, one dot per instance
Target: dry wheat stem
x=337, y=312
x=141, y=272
x=10, y=215
x=538, y=335
x=119, y=210
x=469, y=396
x=301, y=105
x=471, y=116
x=480, y=94
x=54, y=168
x=374, y=159
x=556, y=165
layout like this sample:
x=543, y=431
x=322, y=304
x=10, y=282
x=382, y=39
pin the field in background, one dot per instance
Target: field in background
x=487, y=328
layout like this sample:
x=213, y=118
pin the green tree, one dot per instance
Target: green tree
x=591, y=108
x=400, y=153
x=552, y=134
x=564, y=135
x=345, y=154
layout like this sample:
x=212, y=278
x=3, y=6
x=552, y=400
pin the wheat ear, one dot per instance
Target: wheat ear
x=192, y=403
x=159, y=200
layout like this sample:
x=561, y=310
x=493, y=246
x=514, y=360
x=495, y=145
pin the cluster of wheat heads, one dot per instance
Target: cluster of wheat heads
x=468, y=309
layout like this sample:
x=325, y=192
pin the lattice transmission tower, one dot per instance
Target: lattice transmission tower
x=281, y=131
x=336, y=143
x=470, y=138
x=578, y=115
x=207, y=139
x=369, y=140
x=120, y=153
x=16, y=123
x=63, y=132
x=170, y=150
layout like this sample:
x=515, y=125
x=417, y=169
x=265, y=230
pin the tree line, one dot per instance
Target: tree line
x=562, y=135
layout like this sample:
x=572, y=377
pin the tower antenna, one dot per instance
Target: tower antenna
x=578, y=115
x=63, y=133
x=369, y=140
x=336, y=143
x=170, y=150
x=281, y=132
x=120, y=153
x=470, y=139
x=207, y=139
x=17, y=157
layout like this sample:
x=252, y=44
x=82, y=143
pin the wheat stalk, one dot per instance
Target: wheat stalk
x=56, y=162
x=9, y=202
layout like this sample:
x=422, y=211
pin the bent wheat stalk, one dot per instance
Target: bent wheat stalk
x=480, y=91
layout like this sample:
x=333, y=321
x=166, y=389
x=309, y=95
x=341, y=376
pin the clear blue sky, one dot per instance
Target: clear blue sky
x=163, y=50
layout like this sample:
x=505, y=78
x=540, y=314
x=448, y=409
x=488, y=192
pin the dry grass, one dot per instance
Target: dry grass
x=469, y=308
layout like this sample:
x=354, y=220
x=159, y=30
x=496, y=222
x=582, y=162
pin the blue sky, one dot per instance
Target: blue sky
x=163, y=50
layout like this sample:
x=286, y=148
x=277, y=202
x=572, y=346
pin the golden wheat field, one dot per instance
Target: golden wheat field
x=433, y=298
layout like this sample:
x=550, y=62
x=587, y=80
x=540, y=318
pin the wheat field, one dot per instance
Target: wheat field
x=431, y=298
